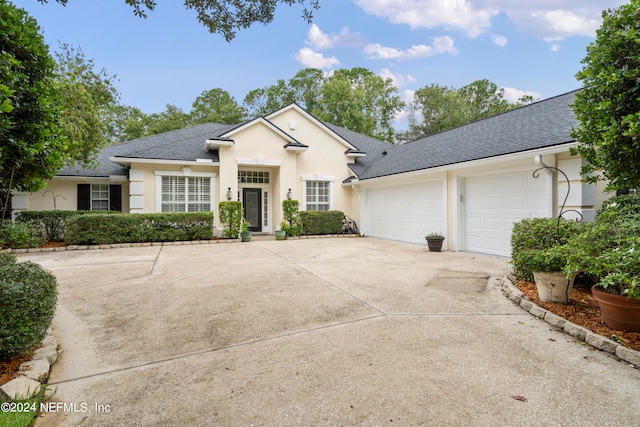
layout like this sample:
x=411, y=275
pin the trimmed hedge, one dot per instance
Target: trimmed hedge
x=52, y=225
x=28, y=298
x=538, y=233
x=19, y=236
x=230, y=215
x=321, y=222
x=136, y=228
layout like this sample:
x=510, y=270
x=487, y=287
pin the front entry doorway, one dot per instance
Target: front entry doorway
x=252, y=206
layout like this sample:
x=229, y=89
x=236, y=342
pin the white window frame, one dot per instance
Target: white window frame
x=99, y=199
x=322, y=178
x=184, y=173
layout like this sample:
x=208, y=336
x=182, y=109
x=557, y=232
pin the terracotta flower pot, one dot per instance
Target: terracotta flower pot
x=553, y=286
x=618, y=312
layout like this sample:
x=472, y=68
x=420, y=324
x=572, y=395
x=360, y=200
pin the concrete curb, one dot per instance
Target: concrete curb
x=595, y=340
x=34, y=373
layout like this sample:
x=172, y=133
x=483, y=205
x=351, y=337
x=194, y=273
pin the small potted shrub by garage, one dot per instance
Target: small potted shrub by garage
x=548, y=265
x=434, y=240
x=245, y=234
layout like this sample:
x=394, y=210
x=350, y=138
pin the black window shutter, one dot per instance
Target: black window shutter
x=84, y=197
x=115, y=197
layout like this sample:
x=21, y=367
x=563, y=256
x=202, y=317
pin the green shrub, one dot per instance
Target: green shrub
x=7, y=258
x=538, y=233
x=291, y=224
x=19, y=236
x=133, y=228
x=52, y=225
x=321, y=222
x=230, y=214
x=27, y=303
x=544, y=260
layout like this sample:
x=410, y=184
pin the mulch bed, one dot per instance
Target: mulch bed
x=583, y=310
x=9, y=370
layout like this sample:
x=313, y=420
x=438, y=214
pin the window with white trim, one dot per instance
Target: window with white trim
x=99, y=197
x=318, y=195
x=186, y=194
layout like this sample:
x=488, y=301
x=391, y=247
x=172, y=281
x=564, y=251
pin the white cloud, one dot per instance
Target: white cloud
x=498, y=40
x=320, y=40
x=548, y=19
x=555, y=47
x=513, y=95
x=311, y=59
x=442, y=44
x=398, y=80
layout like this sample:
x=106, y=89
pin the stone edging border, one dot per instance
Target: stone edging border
x=595, y=340
x=178, y=243
x=34, y=372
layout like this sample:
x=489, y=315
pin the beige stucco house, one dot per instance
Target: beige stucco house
x=470, y=183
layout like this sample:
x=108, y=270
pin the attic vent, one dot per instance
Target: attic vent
x=292, y=125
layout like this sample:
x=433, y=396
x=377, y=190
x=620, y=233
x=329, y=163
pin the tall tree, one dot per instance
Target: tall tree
x=307, y=85
x=171, y=119
x=88, y=101
x=262, y=101
x=361, y=101
x=32, y=142
x=226, y=17
x=217, y=106
x=608, y=107
x=128, y=123
x=438, y=108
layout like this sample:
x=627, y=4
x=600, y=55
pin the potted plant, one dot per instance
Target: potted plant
x=245, y=234
x=434, y=240
x=281, y=234
x=548, y=265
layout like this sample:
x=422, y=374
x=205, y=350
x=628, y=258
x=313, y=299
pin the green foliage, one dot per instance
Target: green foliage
x=216, y=106
x=438, y=108
x=321, y=222
x=544, y=260
x=171, y=119
x=19, y=236
x=608, y=107
x=7, y=258
x=131, y=228
x=291, y=224
x=32, y=404
x=538, y=233
x=608, y=249
x=230, y=214
x=226, y=17
x=52, y=225
x=27, y=302
x=31, y=142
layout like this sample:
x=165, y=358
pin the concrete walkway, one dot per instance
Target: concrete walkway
x=329, y=332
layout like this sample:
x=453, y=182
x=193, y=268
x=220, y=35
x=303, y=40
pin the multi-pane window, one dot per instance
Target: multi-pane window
x=100, y=197
x=253, y=177
x=318, y=196
x=265, y=208
x=186, y=194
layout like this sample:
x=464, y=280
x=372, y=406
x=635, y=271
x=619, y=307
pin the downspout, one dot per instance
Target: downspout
x=551, y=184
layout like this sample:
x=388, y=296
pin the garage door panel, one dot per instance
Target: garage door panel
x=493, y=203
x=405, y=212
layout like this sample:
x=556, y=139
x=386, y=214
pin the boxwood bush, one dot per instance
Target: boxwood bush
x=28, y=297
x=538, y=233
x=19, y=236
x=321, y=222
x=135, y=228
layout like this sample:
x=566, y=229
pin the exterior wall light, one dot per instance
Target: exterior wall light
x=229, y=194
x=289, y=195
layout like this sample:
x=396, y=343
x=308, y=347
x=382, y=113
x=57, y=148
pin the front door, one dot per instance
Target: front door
x=251, y=202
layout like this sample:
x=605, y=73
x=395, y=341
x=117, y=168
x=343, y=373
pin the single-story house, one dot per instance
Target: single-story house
x=469, y=183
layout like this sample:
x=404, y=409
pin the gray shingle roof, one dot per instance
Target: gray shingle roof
x=538, y=125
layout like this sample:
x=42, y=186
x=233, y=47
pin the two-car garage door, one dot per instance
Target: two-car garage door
x=489, y=205
x=405, y=212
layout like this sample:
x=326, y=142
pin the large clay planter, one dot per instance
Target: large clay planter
x=553, y=286
x=618, y=312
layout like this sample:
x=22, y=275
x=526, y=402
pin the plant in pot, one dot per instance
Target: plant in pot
x=434, y=240
x=547, y=265
x=280, y=233
x=245, y=233
x=608, y=251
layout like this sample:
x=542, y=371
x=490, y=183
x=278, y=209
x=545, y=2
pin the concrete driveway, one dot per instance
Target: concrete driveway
x=336, y=331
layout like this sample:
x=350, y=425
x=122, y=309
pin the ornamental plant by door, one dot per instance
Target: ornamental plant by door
x=245, y=234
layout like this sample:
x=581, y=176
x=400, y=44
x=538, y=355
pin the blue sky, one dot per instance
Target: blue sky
x=525, y=46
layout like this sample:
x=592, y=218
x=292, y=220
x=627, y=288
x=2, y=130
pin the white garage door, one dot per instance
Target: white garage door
x=494, y=203
x=405, y=212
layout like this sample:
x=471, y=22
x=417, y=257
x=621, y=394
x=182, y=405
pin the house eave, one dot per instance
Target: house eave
x=127, y=161
x=214, y=144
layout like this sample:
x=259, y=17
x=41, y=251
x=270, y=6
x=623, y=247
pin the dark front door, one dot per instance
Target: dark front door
x=251, y=202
